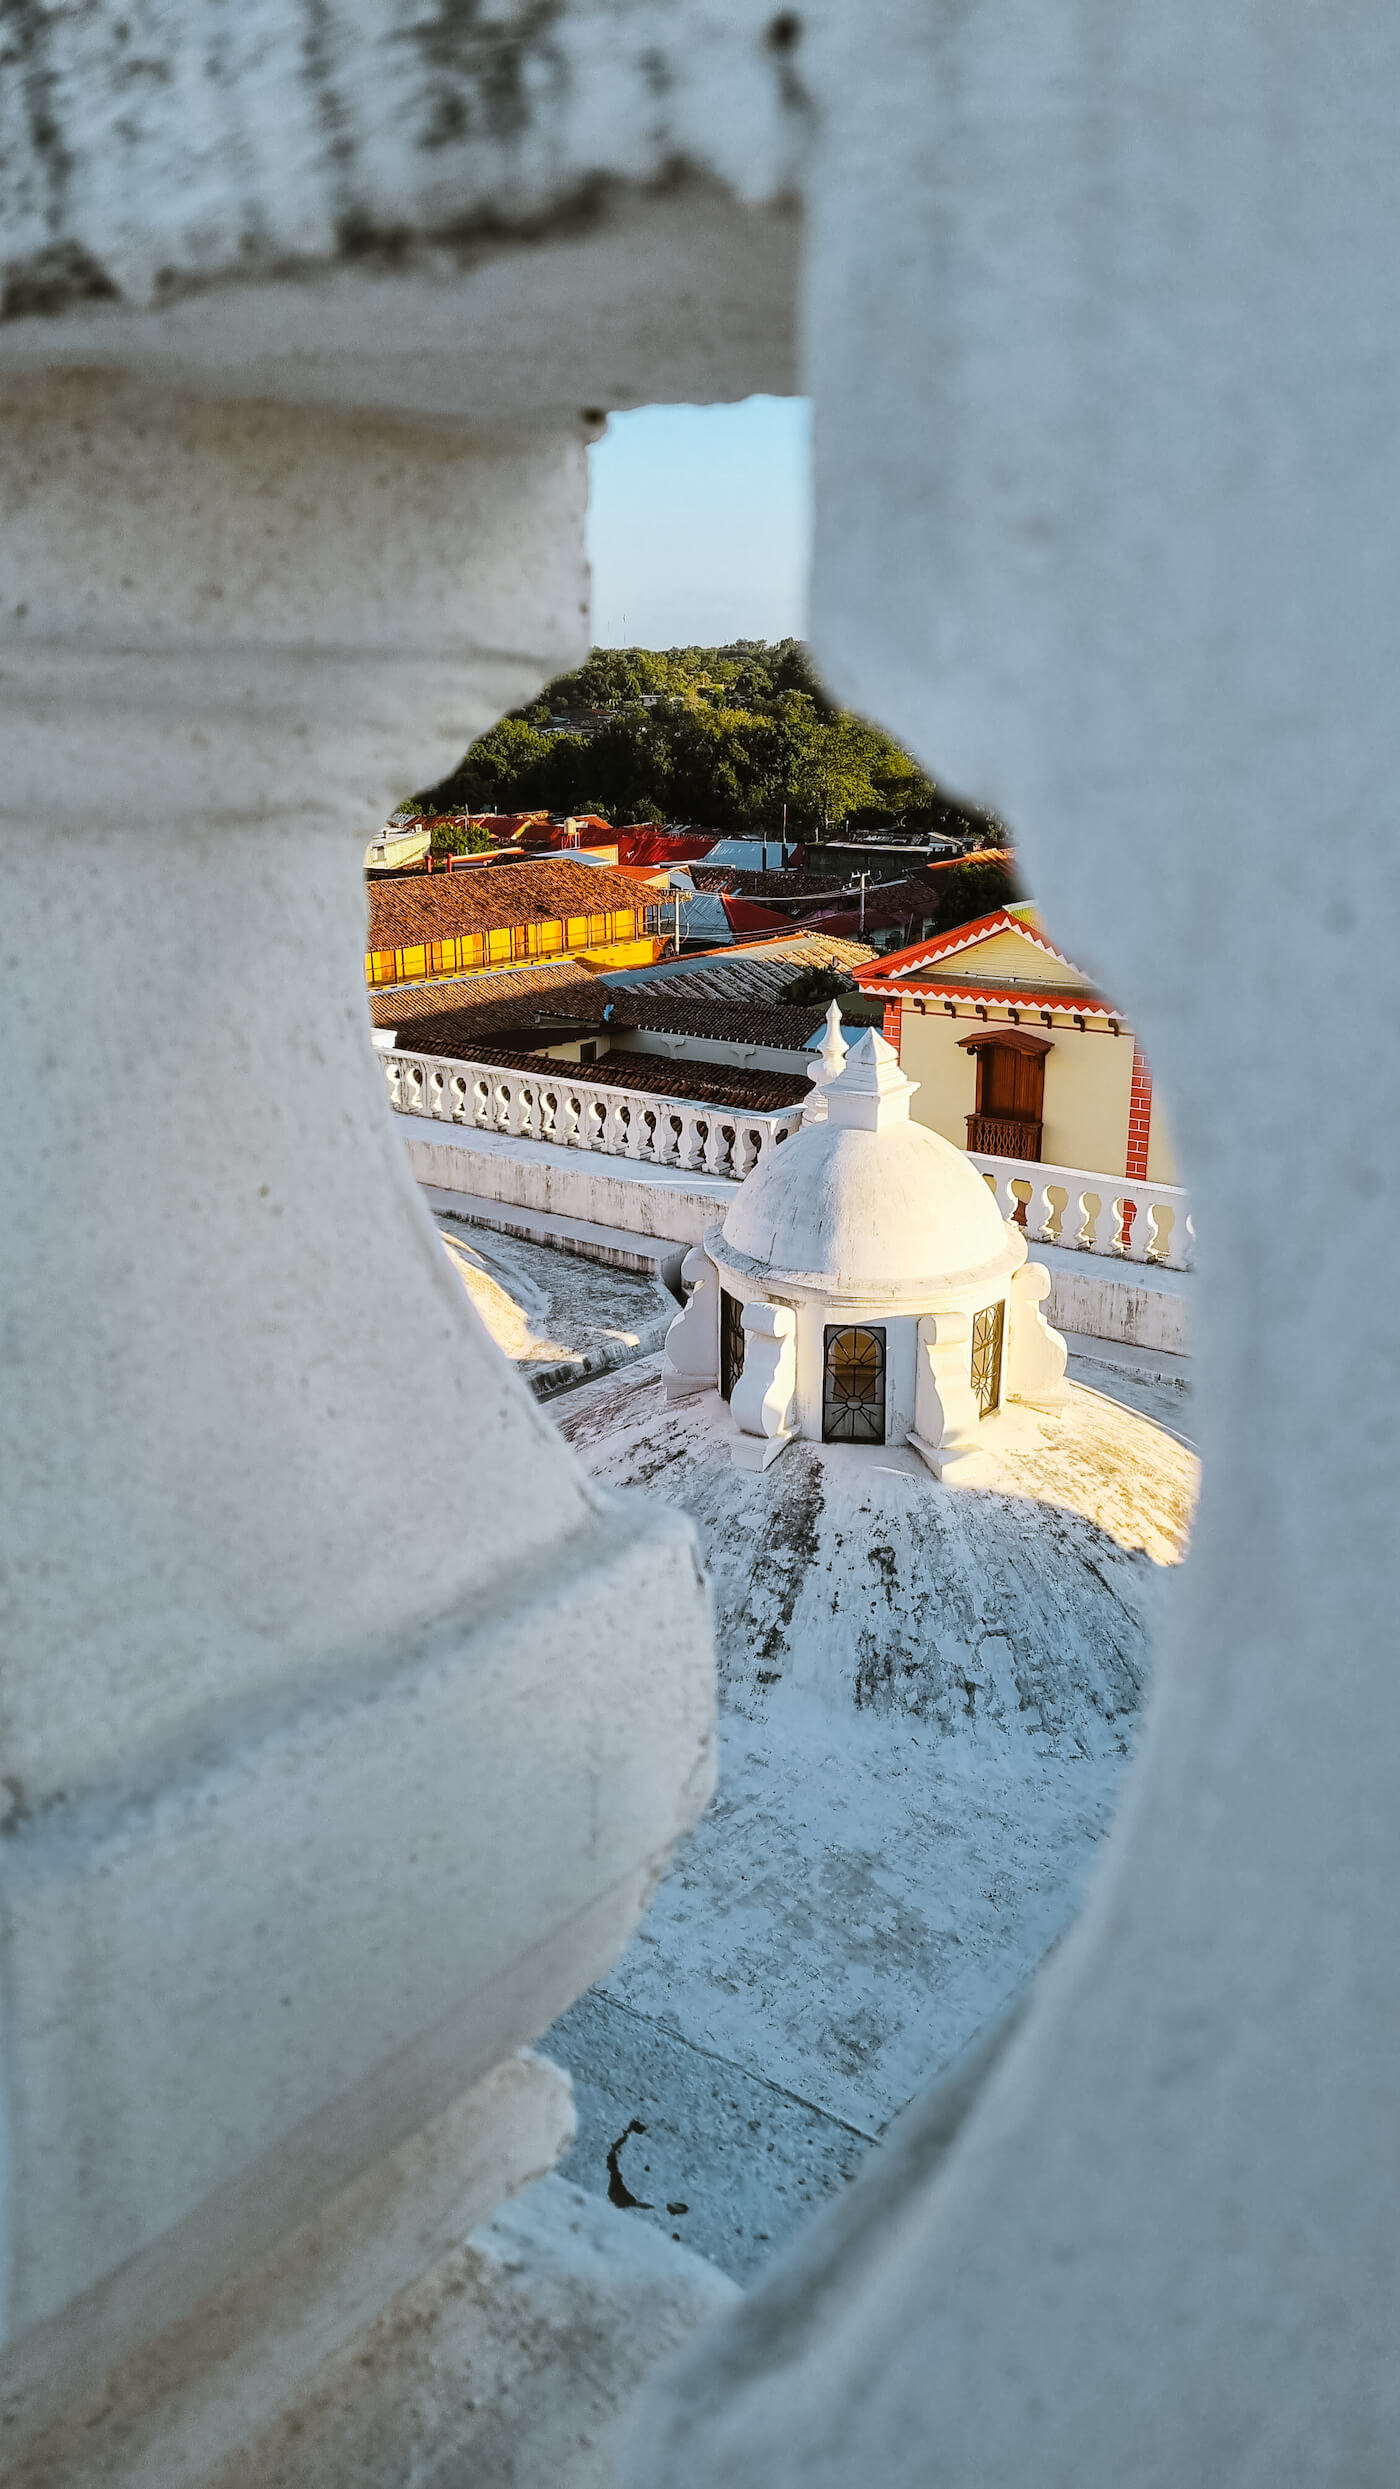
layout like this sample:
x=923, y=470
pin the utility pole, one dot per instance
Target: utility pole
x=863, y=880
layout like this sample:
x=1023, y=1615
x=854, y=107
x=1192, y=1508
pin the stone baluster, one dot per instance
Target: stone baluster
x=1134, y=1235
x=1088, y=1211
x=718, y=1146
x=315, y=1815
x=1043, y=1213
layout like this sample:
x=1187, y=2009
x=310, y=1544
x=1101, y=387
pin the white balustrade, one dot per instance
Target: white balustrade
x=1115, y=1214
x=548, y=1104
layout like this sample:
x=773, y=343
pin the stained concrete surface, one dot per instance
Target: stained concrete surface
x=559, y=1316
x=928, y=1698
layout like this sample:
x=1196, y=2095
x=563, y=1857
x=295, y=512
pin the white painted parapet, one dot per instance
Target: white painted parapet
x=552, y=1105
x=1109, y=1214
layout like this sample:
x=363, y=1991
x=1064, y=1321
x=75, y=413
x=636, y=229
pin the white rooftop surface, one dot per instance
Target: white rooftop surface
x=927, y=1698
x=549, y=1310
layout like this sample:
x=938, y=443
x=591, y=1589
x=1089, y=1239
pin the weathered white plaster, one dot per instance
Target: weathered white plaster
x=946, y=1432
x=674, y=1205
x=1035, y=1355
x=1104, y=351
x=692, y=1342
x=1102, y=330
x=315, y=1812
x=762, y=1400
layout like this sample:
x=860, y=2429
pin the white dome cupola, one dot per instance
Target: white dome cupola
x=863, y=1287
x=865, y=1201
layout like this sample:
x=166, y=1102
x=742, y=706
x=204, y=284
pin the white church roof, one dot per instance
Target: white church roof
x=866, y=1199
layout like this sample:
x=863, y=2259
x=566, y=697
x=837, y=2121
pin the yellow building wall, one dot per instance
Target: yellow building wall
x=947, y=1078
x=1009, y=954
x=1088, y=1077
x=473, y=954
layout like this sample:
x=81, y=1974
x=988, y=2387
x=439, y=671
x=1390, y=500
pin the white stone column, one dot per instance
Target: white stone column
x=1105, y=310
x=314, y=1812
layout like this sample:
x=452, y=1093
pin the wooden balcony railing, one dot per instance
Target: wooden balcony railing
x=1004, y=1136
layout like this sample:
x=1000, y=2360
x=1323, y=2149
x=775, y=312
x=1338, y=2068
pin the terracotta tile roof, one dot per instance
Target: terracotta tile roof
x=790, y=1026
x=708, y=1084
x=404, y=913
x=509, y=998
x=755, y=972
x=727, y=994
x=464, y=1013
x=1008, y=996
x=776, y=885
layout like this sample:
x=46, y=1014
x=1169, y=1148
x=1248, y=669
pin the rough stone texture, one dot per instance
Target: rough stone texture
x=1102, y=331
x=510, y=2357
x=1103, y=310
x=287, y=1864
x=927, y=1696
x=235, y=2365
x=147, y=153
x=558, y=1316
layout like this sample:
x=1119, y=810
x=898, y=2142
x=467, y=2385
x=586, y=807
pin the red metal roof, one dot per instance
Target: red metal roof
x=746, y=916
x=643, y=843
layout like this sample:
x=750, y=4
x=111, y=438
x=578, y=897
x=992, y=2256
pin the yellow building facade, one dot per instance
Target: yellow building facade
x=1016, y=1053
x=504, y=915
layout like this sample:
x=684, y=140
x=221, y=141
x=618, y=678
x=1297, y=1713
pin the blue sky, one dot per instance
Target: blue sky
x=699, y=524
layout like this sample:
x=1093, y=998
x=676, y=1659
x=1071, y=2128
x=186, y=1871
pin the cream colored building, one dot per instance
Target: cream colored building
x=1016, y=1053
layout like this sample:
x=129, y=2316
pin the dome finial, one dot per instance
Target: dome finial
x=870, y=1092
x=831, y=1056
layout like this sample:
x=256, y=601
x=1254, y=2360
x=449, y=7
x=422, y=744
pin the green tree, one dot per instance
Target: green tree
x=458, y=838
x=733, y=739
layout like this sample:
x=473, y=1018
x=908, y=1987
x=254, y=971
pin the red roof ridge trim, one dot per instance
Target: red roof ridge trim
x=944, y=946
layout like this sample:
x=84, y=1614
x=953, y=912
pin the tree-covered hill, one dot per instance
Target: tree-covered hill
x=723, y=737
